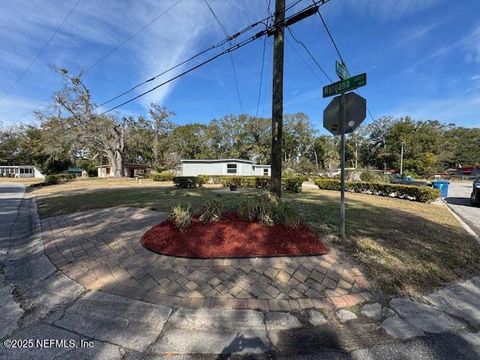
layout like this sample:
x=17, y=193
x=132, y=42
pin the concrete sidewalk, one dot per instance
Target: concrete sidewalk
x=40, y=302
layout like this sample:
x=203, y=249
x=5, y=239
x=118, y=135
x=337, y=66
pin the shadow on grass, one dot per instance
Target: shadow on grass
x=404, y=252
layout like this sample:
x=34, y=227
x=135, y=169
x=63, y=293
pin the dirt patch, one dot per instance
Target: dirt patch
x=231, y=237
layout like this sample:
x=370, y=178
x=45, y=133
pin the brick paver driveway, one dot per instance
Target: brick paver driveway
x=101, y=250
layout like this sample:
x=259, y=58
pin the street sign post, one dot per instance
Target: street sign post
x=342, y=116
x=341, y=70
x=343, y=86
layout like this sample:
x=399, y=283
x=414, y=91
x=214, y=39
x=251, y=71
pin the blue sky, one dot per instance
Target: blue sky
x=422, y=57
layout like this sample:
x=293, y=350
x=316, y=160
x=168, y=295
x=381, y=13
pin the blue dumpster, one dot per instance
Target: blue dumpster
x=441, y=185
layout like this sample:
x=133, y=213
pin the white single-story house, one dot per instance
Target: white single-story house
x=22, y=171
x=218, y=167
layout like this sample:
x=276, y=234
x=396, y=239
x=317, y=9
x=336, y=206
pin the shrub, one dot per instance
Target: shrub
x=204, y=179
x=293, y=183
x=233, y=181
x=258, y=182
x=370, y=176
x=248, y=209
x=185, y=182
x=286, y=215
x=327, y=184
x=289, y=183
x=181, y=216
x=163, y=176
x=258, y=208
x=417, y=193
x=268, y=210
x=58, y=179
x=267, y=202
x=212, y=211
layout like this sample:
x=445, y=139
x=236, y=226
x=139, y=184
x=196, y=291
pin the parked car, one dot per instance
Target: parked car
x=475, y=196
x=399, y=179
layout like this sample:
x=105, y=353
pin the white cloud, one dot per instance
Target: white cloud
x=95, y=27
x=460, y=109
x=471, y=45
x=180, y=36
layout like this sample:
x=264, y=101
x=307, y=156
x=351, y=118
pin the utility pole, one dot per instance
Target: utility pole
x=277, y=93
x=277, y=99
x=384, y=152
x=401, y=159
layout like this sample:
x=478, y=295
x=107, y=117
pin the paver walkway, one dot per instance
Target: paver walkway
x=101, y=250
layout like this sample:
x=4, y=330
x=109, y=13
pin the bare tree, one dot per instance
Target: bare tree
x=104, y=133
x=160, y=116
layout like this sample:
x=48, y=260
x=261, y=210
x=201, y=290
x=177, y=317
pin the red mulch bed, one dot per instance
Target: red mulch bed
x=231, y=237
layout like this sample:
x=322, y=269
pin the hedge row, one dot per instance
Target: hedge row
x=293, y=183
x=163, y=176
x=186, y=182
x=58, y=179
x=258, y=182
x=417, y=193
x=289, y=183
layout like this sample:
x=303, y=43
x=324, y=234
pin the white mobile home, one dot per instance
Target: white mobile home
x=22, y=171
x=218, y=167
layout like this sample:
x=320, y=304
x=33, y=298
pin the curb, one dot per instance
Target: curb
x=463, y=223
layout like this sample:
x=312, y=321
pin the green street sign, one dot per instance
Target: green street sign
x=343, y=86
x=341, y=70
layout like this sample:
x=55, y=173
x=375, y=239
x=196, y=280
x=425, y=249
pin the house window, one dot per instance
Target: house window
x=265, y=172
x=231, y=168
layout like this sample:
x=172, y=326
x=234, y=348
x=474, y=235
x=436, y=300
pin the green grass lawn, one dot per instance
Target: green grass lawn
x=405, y=247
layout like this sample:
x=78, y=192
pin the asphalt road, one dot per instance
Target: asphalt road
x=10, y=198
x=459, y=201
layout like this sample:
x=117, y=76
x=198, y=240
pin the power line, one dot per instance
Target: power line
x=261, y=75
x=263, y=63
x=331, y=37
x=231, y=55
x=267, y=31
x=298, y=54
x=111, y=51
x=231, y=37
x=221, y=43
x=230, y=49
x=115, y=48
x=307, y=65
x=309, y=53
x=40, y=52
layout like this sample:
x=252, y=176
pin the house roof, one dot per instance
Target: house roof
x=215, y=161
x=74, y=170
